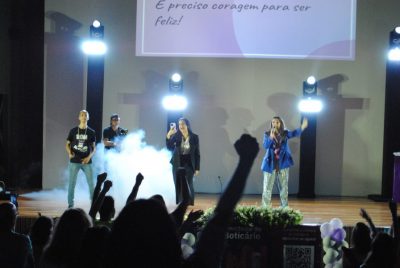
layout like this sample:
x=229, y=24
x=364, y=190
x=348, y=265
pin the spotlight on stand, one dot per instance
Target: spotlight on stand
x=309, y=106
x=310, y=103
x=96, y=24
x=311, y=82
x=394, y=45
x=175, y=102
x=391, y=143
x=176, y=83
x=95, y=49
x=95, y=45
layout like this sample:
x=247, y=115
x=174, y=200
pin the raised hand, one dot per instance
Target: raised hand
x=364, y=214
x=171, y=132
x=102, y=177
x=190, y=224
x=247, y=147
x=99, y=197
x=135, y=189
x=139, y=178
x=215, y=229
x=195, y=215
x=107, y=185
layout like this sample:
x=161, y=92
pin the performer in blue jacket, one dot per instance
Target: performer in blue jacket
x=278, y=159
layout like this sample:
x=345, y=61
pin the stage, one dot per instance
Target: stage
x=315, y=211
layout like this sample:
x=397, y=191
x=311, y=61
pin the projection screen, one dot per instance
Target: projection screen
x=315, y=29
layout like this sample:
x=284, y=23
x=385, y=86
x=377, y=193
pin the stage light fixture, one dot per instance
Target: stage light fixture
x=310, y=86
x=311, y=80
x=95, y=45
x=96, y=23
x=96, y=30
x=175, y=103
x=394, y=54
x=176, y=78
x=95, y=49
x=176, y=83
x=310, y=105
x=391, y=128
x=394, y=45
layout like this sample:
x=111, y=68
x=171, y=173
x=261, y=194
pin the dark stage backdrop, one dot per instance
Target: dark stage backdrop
x=21, y=136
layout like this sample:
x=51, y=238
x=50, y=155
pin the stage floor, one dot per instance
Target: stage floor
x=315, y=211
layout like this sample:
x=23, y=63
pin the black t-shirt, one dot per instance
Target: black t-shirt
x=111, y=135
x=81, y=141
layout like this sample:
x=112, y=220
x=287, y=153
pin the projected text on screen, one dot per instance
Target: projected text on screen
x=314, y=29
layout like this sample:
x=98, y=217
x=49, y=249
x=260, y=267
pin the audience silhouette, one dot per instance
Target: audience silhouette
x=15, y=248
x=40, y=234
x=145, y=234
x=66, y=242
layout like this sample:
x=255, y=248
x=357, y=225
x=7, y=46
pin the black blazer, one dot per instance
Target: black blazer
x=174, y=144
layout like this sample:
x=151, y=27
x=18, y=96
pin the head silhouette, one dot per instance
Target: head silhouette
x=8, y=216
x=107, y=209
x=144, y=233
x=360, y=236
x=67, y=238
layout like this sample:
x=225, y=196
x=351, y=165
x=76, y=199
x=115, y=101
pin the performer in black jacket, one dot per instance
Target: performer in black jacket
x=113, y=134
x=186, y=153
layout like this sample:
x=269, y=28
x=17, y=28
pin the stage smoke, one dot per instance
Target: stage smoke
x=122, y=165
x=132, y=156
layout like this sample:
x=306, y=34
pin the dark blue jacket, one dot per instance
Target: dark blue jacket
x=285, y=156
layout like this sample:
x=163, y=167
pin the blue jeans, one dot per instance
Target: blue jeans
x=73, y=169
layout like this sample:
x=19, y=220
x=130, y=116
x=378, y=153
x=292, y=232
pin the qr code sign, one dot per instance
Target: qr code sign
x=298, y=256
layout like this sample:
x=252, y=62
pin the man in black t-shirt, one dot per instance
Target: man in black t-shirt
x=80, y=146
x=112, y=135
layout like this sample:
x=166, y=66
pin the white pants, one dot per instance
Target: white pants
x=282, y=179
